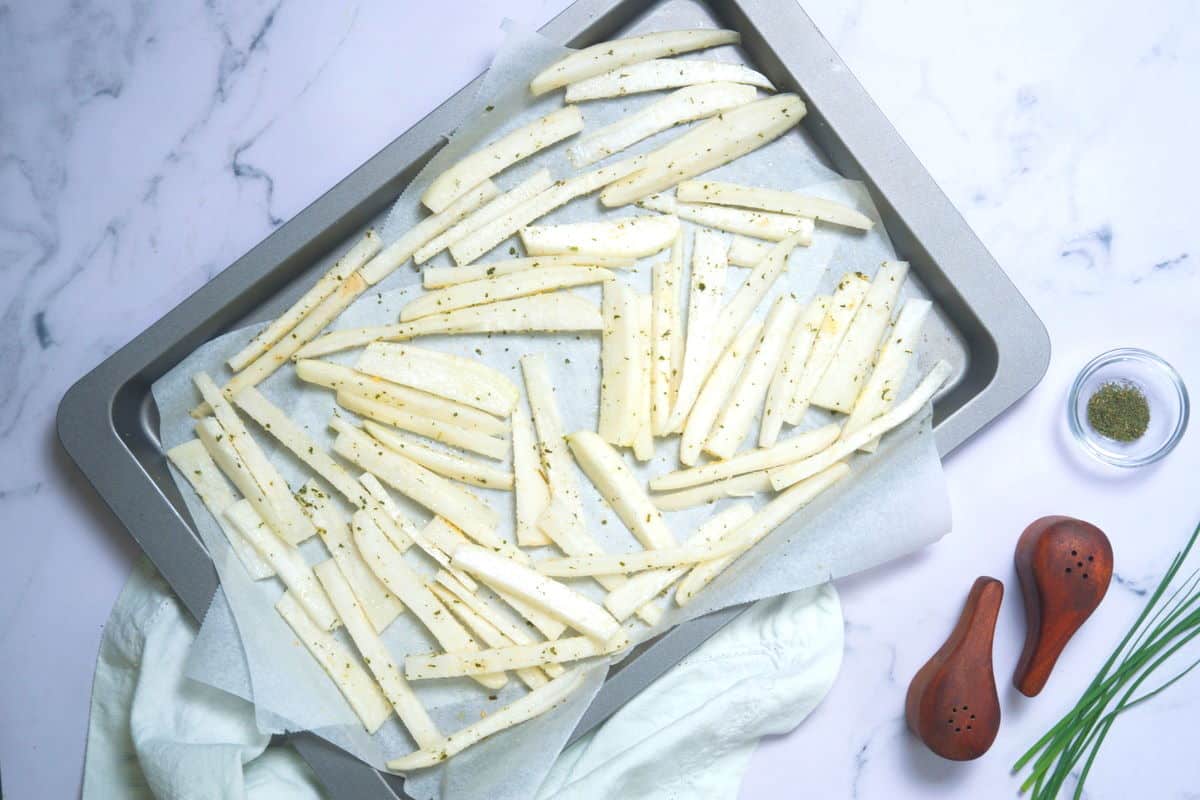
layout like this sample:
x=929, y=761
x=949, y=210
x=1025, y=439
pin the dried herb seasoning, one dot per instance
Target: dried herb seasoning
x=1119, y=410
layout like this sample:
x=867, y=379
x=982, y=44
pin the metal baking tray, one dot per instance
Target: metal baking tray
x=108, y=422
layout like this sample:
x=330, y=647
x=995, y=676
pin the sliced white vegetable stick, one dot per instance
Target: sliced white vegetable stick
x=624, y=563
x=216, y=441
x=294, y=527
x=486, y=632
x=562, y=311
x=351, y=679
x=291, y=567
x=531, y=495
x=556, y=599
x=644, y=587
x=423, y=487
x=453, y=665
x=881, y=389
x=480, y=241
x=665, y=73
x=447, y=538
x=516, y=631
x=441, y=277
x=666, y=336
x=624, y=237
x=464, y=380
x=718, y=141
x=504, y=287
x=406, y=584
x=618, y=365
x=422, y=404
x=794, y=448
x=757, y=224
x=538, y=182
x=705, y=294
x=786, y=476
x=534, y=704
x=775, y=200
x=717, y=388
x=605, y=56
x=514, y=146
x=842, y=308
x=194, y=463
x=744, y=485
x=387, y=514
x=380, y=606
x=313, y=323
x=541, y=621
x=754, y=289
x=643, y=442
x=444, y=462
x=562, y=521
x=791, y=368
x=685, y=105
x=621, y=490
x=754, y=530
x=434, y=429
x=847, y=371
x=389, y=525
x=395, y=254
x=414, y=716
x=747, y=252
x=750, y=392
x=326, y=285
x=274, y=421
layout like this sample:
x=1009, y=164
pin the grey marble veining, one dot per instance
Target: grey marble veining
x=144, y=146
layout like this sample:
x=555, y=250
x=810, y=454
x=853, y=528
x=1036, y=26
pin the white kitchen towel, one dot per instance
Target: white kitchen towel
x=154, y=733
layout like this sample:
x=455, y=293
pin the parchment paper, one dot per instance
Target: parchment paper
x=895, y=501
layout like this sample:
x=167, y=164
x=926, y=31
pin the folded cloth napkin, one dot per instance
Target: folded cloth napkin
x=155, y=733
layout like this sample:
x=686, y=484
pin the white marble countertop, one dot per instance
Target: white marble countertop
x=143, y=148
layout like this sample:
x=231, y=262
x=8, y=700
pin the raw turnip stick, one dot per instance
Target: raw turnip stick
x=504, y=287
x=555, y=313
x=441, y=277
x=621, y=490
x=486, y=632
x=666, y=336
x=794, y=448
x=685, y=105
x=437, y=430
x=717, y=388
x=445, y=463
x=791, y=368
x=744, y=485
x=705, y=294
x=531, y=494
x=483, y=239
x=359, y=688
x=786, y=476
x=842, y=308
x=501, y=154
x=618, y=365
x=643, y=441
x=527, y=656
x=194, y=463
x=775, y=200
x=882, y=388
x=747, y=252
x=534, y=704
x=715, y=142
x=755, y=529
x=627, y=237
x=754, y=289
x=847, y=372
x=750, y=392
x=665, y=73
x=756, y=224
x=464, y=380
x=412, y=401
x=217, y=442
x=345, y=266
x=605, y=56
x=534, y=184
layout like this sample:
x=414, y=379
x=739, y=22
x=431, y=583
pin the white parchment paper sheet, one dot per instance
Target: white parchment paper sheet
x=895, y=501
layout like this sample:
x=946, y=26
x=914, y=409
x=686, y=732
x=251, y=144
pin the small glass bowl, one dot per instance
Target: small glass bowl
x=1164, y=391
